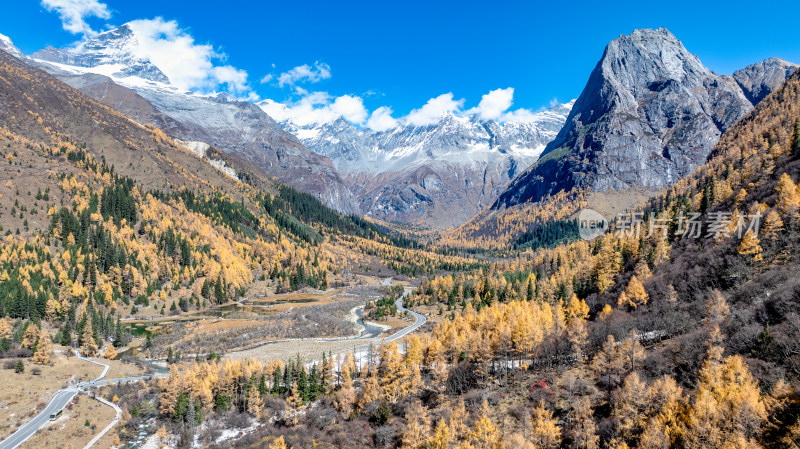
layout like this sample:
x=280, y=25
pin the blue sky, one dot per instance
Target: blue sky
x=399, y=55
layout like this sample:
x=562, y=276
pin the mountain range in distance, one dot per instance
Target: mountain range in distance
x=649, y=114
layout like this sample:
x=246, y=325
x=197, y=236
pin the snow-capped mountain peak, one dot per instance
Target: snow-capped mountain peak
x=115, y=53
x=220, y=119
x=441, y=173
x=453, y=138
x=7, y=45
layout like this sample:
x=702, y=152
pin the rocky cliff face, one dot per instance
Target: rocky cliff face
x=115, y=48
x=440, y=174
x=106, y=67
x=758, y=80
x=7, y=46
x=649, y=114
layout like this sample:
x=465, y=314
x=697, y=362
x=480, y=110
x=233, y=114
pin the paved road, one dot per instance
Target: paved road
x=420, y=319
x=59, y=401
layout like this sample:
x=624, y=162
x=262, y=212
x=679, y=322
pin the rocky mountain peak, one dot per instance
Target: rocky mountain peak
x=439, y=174
x=649, y=114
x=116, y=50
x=8, y=46
x=656, y=55
x=759, y=79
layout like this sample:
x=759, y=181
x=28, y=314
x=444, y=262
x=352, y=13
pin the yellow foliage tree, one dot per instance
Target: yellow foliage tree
x=484, y=434
x=634, y=294
x=89, y=346
x=418, y=424
x=606, y=312
x=30, y=336
x=345, y=396
x=254, y=402
x=773, y=224
x=788, y=194
x=294, y=400
x=629, y=407
x=279, y=443
x=371, y=390
x=728, y=410
x=394, y=372
x=545, y=432
x=5, y=328
x=457, y=420
x=42, y=354
x=751, y=246
x=441, y=436
x=582, y=425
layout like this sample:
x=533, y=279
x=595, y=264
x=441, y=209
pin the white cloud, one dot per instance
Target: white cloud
x=382, y=120
x=351, y=108
x=278, y=111
x=267, y=78
x=74, y=12
x=316, y=108
x=433, y=110
x=493, y=104
x=321, y=107
x=188, y=65
x=305, y=74
x=519, y=116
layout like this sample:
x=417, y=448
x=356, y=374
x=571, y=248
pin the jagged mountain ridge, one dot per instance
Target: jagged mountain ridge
x=39, y=107
x=650, y=114
x=222, y=121
x=760, y=79
x=440, y=174
x=8, y=46
x=353, y=149
x=113, y=52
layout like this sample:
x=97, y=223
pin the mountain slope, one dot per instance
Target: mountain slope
x=221, y=121
x=759, y=79
x=8, y=46
x=650, y=113
x=438, y=175
x=104, y=215
x=40, y=107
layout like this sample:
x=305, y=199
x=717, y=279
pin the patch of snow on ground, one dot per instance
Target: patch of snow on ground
x=220, y=165
x=196, y=147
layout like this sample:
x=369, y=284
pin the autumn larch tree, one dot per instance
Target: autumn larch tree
x=634, y=294
x=418, y=426
x=582, y=425
x=788, y=195
x=751, y=246
x=111, y=353
x=544, y=431
x=43, y=348
x=484, y=434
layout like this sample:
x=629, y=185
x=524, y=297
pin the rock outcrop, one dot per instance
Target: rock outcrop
x=649, y=115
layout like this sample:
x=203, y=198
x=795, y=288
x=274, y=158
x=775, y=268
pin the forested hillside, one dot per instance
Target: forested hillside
x=678, y=327
x=681, y=337
x=104, y=218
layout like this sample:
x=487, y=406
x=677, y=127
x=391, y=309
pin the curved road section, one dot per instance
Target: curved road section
x=419, y=319
x=62, y=398
x=110, y=426
x=59, y=401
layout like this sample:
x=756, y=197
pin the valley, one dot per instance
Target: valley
x=186, y=264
